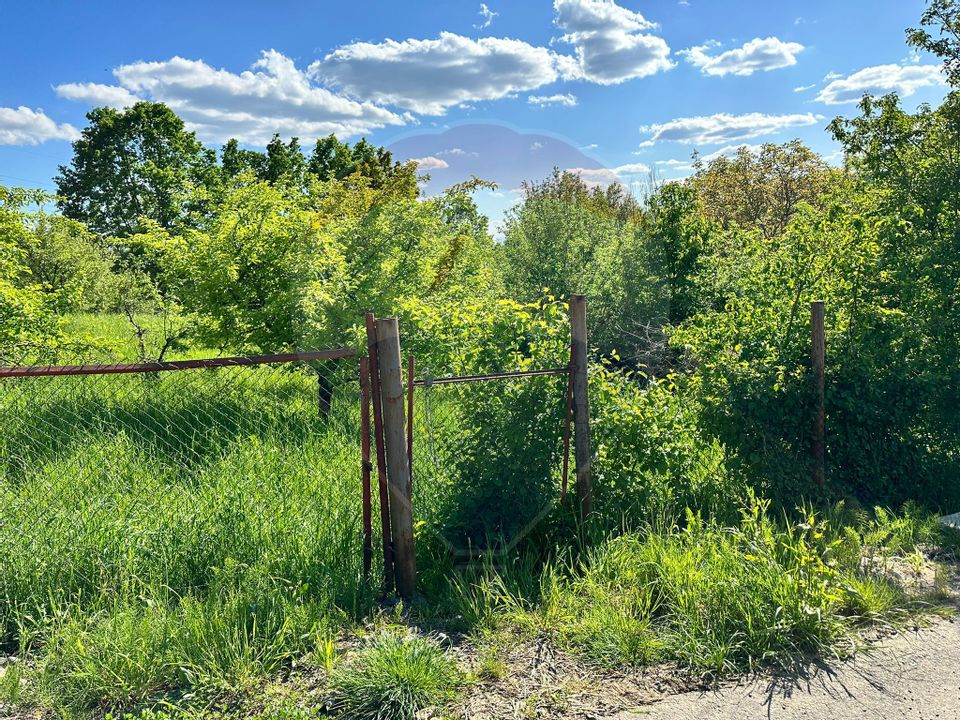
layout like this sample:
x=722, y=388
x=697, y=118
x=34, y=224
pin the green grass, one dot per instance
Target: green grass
x=113, y=337
x=192, y=530
x=705, y=597
x=392, y=677
x=171, y=540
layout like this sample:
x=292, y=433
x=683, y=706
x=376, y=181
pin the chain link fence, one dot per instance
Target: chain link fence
x=489, y=456
x=116, y=478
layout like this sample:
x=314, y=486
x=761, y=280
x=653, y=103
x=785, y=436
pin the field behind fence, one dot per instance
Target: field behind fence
x=277, y=485
x=159, y=481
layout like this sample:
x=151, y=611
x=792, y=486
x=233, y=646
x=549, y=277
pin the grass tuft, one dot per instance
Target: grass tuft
x=394, y=676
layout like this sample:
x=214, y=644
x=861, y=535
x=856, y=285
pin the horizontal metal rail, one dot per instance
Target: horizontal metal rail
x=453, y=379
x=57, y=370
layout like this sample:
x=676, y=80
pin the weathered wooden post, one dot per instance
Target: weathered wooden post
x=372, y=351
x=817, y=360
x=398, y=467
x=581, y=404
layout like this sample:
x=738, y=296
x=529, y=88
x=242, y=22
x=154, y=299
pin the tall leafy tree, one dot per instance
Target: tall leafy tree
x=236, y=160
x=285, y=162
x=945, y=16
x=131, y=164
x=762, y=190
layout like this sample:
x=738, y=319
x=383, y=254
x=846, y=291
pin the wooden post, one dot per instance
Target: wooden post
x=398, y=468
x=817, y=360
x=367, y=465
x=372, y=350
x=581, y=403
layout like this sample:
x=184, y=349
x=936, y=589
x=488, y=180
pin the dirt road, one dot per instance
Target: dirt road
x=913, y=675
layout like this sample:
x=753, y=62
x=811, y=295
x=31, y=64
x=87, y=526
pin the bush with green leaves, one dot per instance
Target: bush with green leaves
x=29, y=309
x=652, y=460
x=277, y=268
x=489, y=452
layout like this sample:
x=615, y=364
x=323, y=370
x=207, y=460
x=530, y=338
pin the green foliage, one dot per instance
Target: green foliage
x=393, y=677
x=63, y=257
x=944, y=15
x=275, y=268
x=29, y=327
x=564, y=238
x=651, y=458
x=331, y=159
x=762, y=190
x=131, y=164
x=493, y=449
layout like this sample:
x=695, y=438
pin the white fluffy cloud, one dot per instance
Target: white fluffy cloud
x=880, y=79
x=567, y=100
x=431, y=162
x=724, y=128
x=97, y=94
x=731, y=150
x=609, y=175
x=272, y=96
x=610, y=42
x=757, y=55
x=430, y=76
x=23, y=126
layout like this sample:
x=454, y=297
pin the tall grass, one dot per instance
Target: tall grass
x=704, y=596
x=186, y=530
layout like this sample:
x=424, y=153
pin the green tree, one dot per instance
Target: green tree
x=567, y=238
x=65, y=258
x=762, y=189
x=236, y=160
x=29, y=312
x=945, y=15
x=285, y=162
x=276, y=268
x=132, y=164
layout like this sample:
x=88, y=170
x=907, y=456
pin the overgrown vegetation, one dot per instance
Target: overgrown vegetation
x=167, y=545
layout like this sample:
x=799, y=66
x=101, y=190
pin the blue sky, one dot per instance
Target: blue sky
x=505, y=90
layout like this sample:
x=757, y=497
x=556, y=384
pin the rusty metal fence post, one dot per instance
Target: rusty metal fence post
x=373, y=352
x=581, y=404
x=818, y=362
x=367, y=466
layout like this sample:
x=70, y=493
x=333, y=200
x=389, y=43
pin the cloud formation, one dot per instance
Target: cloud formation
x=97, y=94
x=431, y=162
x=431, y=76
x=273, y=96
x=605, y=176
x=360, y=87
x=880, y=79
x=487, y=14
x=611, y=42
x=566, y=99
x=23, y=126
x=754, y=56
x=723, y=128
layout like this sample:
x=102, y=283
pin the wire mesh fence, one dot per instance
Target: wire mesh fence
x=489, y=456
x=117, y=478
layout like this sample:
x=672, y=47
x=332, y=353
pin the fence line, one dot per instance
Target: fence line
x=173, y=365
x=456, y=379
